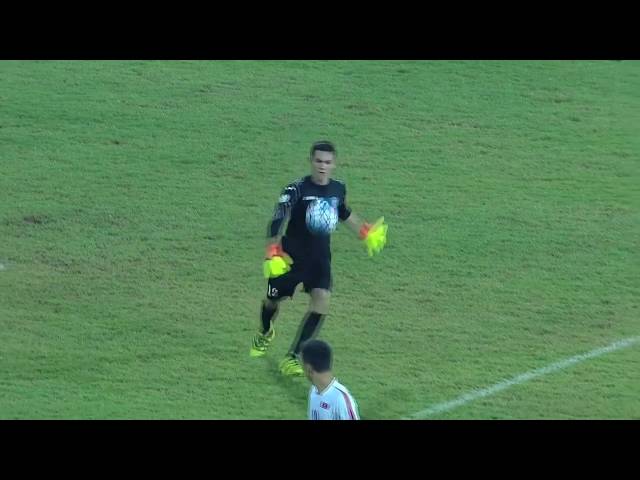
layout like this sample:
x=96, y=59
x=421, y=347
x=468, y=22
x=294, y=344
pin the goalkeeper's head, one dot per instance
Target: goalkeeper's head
x=323, y=160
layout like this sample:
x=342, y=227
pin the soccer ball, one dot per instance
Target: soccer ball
x=322, y=217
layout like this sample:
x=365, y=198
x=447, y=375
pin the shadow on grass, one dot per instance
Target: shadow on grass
x=296, y=388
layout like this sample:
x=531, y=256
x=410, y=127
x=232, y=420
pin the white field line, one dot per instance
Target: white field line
x=519, y=379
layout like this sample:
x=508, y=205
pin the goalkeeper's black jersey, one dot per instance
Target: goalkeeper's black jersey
x=296, y=199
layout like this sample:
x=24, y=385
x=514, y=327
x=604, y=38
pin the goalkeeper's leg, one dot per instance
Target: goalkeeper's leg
x=277, y=289
x=263, y=338
x=268, y=314
x=308, y=329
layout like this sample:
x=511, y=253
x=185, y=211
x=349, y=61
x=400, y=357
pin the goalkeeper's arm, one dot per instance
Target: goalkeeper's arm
x=281, y=214
x=277, y=262
x=374, y=236
x=355, y=223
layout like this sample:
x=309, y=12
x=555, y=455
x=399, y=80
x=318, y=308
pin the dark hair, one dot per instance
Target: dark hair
x=317, y=354
x=323, y=146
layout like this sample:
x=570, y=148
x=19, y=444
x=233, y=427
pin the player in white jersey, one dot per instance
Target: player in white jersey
x=328, y=398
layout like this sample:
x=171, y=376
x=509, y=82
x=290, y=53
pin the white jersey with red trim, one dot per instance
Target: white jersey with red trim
x=333, y=403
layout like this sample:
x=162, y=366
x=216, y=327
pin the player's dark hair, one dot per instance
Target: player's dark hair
x=323, y=146
x=317, y=354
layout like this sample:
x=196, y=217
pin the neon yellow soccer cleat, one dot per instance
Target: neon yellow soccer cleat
x=261, y=342
x=291, y=367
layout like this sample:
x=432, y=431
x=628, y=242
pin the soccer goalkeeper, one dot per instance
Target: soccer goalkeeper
x=309, y=210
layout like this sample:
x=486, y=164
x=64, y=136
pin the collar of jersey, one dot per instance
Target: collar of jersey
x=326, y=389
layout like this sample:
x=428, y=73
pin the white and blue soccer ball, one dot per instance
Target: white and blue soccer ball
x=322, y=217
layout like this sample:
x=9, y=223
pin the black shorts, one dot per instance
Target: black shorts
x=312, y=274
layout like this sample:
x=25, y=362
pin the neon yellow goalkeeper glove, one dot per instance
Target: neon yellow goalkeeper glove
x=374, y=236
x=277, y=262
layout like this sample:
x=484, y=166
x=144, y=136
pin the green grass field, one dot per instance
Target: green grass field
x=134, y=199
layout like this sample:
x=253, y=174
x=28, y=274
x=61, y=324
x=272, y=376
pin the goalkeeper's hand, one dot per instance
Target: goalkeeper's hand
x=374, y=236
x=277, y=262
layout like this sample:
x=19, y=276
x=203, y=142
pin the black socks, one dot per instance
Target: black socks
x=309, y=328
